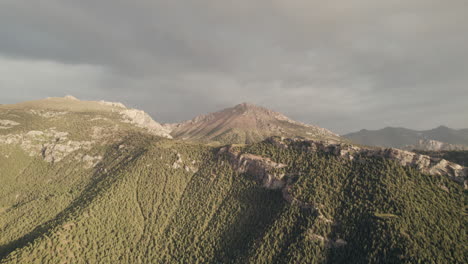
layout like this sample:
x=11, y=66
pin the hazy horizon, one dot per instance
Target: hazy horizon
x=344, y=66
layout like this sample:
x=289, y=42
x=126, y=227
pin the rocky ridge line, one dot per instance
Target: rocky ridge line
x=259, y=167
x=424, y=163
x=263, y=169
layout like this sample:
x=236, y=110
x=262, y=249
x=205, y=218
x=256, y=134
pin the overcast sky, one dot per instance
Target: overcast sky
x=342, y=65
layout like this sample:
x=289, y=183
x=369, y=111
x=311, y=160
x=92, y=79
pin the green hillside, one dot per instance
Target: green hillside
x=110, y=192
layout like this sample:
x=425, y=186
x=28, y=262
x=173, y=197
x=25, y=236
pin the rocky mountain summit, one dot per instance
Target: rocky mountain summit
x=54, y=107
x=245, y=123
x=67, y=128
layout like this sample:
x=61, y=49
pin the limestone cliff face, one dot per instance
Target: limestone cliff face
x=141, y=119
x=424, y=163
x=259, y=167
x=55, y=107
x=263, y=169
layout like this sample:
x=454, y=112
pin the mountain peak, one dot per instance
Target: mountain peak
x=246, y=123
x=245, y=105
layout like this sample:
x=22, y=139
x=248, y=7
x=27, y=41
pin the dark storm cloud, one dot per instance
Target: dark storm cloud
x=344, y=65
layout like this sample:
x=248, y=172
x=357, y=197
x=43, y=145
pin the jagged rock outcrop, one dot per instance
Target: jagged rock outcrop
x=424, y=163
x=262, y=169
x=143, y=120
x=51, y=145
x=112, y=104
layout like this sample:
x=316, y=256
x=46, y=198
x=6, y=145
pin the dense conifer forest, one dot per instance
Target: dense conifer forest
x=137, y=208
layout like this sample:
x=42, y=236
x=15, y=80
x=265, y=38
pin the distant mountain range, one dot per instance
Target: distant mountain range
x=440, y=138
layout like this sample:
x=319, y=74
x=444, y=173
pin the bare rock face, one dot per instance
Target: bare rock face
x=48, y=113
x=424, y=163
x=112, y=104
x=143, y=120
x=51, y=145
x=6, y=124
x=244, y=123
x=259, y=167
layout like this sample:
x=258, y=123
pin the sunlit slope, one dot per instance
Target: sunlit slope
x=74, y=116
x=245, y=123
x=162, y=201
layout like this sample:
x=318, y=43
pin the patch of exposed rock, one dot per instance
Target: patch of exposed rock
x=424, y=163
x=265, y=171
x=47, y=113
x=51, y=145
x=262, y=169
x=6, y=124
x=187, y=166
x=330, y=243
x=112, y=104
x=141, y=119
x=138, y=118
x=89, y=161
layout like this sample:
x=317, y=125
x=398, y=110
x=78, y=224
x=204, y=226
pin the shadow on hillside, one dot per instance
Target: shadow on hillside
x=260, y=208
x=103, y=177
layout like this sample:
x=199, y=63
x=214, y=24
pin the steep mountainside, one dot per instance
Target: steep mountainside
x=440, y=138
x=57, y=110
x=245, y=123
x=83, y=183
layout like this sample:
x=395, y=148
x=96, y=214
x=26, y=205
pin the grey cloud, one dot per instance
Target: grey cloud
x=345, y=65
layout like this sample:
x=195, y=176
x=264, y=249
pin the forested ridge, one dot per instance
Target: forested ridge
x=138, y=207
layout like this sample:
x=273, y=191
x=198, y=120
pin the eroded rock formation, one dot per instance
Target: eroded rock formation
x=424, y=163
x=266, y=171
x=259, y=167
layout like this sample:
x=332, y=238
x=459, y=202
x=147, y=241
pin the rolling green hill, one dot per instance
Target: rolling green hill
x=111, y=191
